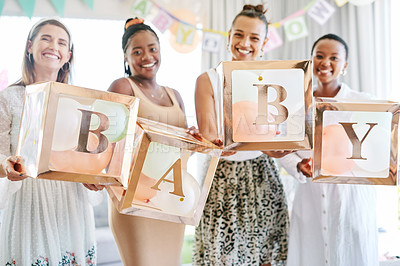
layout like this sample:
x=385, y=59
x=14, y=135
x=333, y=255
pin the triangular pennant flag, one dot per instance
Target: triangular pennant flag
x=1, y=5
x=211, y=42
x=341, y=3
x=185, y=34
x=89, y=3
x=274, y=39
x=28, y=6
x=321, y=11
x=59, y=5
x=295, y=28
x=162, y=21
x=141, y=8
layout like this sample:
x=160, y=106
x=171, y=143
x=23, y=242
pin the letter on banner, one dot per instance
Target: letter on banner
x=185, y=34
x=141, y=8
x=321, y=11
x=84, y=132
x=295, y=28
x=162, y=21
x=211, y=42
x=348, y=127
x=177, y=176
x=281, y=95
x=274, y=39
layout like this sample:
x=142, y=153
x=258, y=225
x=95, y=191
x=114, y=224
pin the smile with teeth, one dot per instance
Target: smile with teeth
x=149, y=65
x=52, y=56
x=324, y=72
x=243, y=51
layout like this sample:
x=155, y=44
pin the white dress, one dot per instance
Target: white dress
x=44, y=222
x=331, y=224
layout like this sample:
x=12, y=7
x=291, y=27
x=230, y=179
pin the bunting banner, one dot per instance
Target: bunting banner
x=295, y=28
x=89, y=3
x=1, y=5
x=321, y=11
x=27, y=6
x=59, y=6
x=184, y=25
x=211, y=42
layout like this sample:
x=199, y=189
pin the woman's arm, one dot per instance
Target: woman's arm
x=205, y=108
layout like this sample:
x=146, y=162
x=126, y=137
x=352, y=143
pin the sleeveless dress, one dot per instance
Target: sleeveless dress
x=144, y=241
x=44, y=222
x=245, y=219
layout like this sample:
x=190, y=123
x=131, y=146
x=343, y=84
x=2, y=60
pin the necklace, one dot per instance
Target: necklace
x=150, y=91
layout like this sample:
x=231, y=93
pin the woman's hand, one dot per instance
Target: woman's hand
x=277, y=154
x=304, y=166
x=94, y=187
x=194, y=132
x=14, y=168
x=219, y=143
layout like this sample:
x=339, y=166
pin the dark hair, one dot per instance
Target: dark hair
x=252, y=11
x=133, y=26
x=332, y=36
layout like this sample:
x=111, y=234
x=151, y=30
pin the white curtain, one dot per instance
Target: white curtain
x=366, y=29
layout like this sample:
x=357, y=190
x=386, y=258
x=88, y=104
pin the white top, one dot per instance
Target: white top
x=42, y=220
x=331, y=224
x=240, y=155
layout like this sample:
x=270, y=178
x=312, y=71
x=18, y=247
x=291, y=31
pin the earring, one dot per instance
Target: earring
x=30, y=58
x=344, y=72
x=66, y=67
x=127, y=69
x=262, y=53
x=227, y=48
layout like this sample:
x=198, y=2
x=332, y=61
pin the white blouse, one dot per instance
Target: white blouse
x=331, y=224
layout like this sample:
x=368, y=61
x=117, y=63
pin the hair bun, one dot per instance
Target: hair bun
x=257, y=8
x=133, y=21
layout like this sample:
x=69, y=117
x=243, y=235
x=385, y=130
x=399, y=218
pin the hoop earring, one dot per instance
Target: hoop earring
x=30, y=58
x=68, y=64
x=127, y=69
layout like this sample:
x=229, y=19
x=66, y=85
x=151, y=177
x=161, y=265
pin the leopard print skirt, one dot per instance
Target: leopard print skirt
x=245, y=220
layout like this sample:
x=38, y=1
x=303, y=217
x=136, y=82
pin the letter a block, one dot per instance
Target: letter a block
x=76, y=134
x=171, y=174
x=264, y=105
x=356, y=142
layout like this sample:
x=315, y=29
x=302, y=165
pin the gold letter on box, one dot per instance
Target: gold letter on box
x=356, y=141
x=164, y=182
x=276, y=115
x=66, y=134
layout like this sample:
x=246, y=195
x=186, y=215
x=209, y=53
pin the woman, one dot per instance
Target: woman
x=245, y=219
x=143, y=241
x=331, y=224
x=45, y=222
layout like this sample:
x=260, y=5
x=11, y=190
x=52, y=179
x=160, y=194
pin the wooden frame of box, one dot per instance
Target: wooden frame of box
x=69, y=133
x=356, y=142
x=266, y=105
x=174, y=192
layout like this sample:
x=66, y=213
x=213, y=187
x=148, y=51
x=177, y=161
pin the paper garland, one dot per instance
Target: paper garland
x=294, y=25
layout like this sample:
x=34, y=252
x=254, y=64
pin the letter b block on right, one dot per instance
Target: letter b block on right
x=356, y=142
